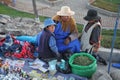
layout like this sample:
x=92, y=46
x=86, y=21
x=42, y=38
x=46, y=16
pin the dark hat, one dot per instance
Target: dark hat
x=92, y=15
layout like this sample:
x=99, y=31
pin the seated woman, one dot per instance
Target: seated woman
x=66, y=32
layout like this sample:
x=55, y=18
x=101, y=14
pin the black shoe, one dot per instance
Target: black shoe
x=101, y=60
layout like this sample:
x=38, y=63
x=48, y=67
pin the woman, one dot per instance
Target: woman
x=91, y=35
x=90, y=39
x=66, y=32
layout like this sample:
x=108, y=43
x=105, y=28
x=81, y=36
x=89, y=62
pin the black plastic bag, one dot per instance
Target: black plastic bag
x=66, y=70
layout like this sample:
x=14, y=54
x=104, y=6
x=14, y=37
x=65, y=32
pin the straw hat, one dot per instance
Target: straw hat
x=65, y=11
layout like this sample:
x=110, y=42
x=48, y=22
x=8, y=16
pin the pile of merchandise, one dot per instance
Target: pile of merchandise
x=13, y=70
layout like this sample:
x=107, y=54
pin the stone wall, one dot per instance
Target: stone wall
x=19, y=26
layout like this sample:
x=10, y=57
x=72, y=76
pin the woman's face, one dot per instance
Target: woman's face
x=51, y=28
x=65, y=18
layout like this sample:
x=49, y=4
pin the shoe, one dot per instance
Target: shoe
x=101, y=60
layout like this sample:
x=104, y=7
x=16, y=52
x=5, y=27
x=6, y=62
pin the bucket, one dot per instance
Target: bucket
x=84, y=71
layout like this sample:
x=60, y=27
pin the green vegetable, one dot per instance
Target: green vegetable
x=82, y=61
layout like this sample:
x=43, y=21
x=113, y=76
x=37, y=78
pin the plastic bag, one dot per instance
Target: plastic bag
x=65, y=70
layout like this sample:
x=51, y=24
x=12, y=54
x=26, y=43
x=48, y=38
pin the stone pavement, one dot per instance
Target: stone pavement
x=46, y=8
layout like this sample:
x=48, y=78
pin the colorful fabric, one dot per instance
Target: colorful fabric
x=26, y=52
x=31, y=39
x=18, y=49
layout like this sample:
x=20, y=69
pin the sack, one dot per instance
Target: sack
x=66, y=70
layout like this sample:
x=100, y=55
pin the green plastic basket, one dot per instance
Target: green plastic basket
x=85, y=71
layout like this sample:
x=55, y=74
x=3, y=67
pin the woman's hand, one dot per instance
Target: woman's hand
x=67, y=41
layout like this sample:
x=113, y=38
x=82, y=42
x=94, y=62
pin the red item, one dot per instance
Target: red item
x=27, y=51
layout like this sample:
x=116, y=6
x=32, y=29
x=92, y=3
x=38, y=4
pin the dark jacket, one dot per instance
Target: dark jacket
x=44, y=49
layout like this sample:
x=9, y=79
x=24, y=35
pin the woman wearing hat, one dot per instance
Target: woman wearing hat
x=47, y=48
x=66, y=32
x=90, y=38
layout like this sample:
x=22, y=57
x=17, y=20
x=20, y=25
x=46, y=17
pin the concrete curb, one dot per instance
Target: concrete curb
x=102, y=11
x=105, y=53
